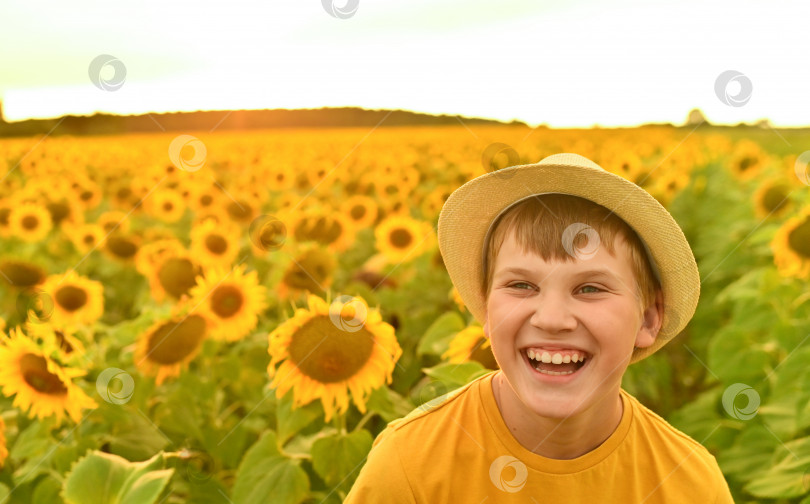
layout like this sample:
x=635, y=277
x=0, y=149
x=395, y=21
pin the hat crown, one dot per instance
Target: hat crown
x=569, y=158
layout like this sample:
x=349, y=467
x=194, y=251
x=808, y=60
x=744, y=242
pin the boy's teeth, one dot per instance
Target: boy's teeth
x=531, y=354
x=567, y=359
x=556, y=358
x=574, y=358
x=546, y=357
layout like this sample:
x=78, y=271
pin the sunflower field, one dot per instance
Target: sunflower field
x=232, y=317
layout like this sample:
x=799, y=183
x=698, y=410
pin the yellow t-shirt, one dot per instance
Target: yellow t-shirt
x=460, y=450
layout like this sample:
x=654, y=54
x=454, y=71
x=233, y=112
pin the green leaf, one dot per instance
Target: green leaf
x=265, y=475
x=751, y=453
x=336, y=458
x=787, y=478
x=291, y=420
x=436, y=339
x=46, y=492
x=102, y=478
x=4, y=493
x=456, y=375
x=388, y=404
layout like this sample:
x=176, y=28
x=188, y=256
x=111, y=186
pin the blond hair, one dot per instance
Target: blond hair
x=539, y=222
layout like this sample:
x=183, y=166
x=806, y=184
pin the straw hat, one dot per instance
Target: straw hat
x=470, y=212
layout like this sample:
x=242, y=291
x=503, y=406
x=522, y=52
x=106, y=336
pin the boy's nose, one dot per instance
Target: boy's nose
x=552, y=313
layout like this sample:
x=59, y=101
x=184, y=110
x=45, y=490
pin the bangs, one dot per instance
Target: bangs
x=538, y=224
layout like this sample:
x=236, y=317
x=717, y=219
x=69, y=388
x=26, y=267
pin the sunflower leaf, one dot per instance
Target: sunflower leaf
x=265, y=475
x=437, y=337
x=291, y=420
x=336, y=458
x=455, y=375
x=101, y=478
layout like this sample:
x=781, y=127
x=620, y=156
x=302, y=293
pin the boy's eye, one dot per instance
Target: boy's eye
x=596, y=289
x=516, y=284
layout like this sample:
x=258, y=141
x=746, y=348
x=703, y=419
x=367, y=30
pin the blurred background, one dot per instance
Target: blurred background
x=218, y=254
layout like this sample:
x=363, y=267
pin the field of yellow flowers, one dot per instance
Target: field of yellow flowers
x=233, y=317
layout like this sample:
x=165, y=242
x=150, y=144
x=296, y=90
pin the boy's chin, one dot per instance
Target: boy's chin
x=554, y=407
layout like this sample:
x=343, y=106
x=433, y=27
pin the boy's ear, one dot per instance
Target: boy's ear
x=652, y=318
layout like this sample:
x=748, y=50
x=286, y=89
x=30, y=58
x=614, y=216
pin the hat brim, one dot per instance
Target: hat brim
x=468, y=213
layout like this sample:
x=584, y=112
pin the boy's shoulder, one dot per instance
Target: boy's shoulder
x=670, y=442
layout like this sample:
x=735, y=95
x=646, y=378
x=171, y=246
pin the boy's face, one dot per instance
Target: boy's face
x=563, y=310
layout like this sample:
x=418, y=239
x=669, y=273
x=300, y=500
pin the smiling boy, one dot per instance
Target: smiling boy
x=574, y=273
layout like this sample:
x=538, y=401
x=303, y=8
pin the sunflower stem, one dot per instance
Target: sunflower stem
x=340, y=423
x=363, y=421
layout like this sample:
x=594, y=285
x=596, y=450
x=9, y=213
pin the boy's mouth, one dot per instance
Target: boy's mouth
x=555, y=362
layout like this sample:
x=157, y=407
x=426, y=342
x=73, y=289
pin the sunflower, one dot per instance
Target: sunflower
x=310, y=271
x=204, y=198
x=30, y=222
x=326, y=352
x=791, y=246
x=88, y=193
x=279, y=179
x=21, y=274
x=6, y=206
x=402, y=238
x=174, y=274
x=747, y=160
x=214, y=245
x=41, y=386
x=86, y=237
x=471, y=344
x=232, y=301
x=330, y=228
x=121, y=246
x=666, y=186
x=170, y=344
x=123, y=195
x=64, y=339
x=456, y=297
x=167, y=205
x=241, y=210
x=113, y=220
x=361, y=211
x=771, y=199
x=65, y=211
x=76, y=300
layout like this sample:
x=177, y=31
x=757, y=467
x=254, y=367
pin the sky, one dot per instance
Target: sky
x=564, y=64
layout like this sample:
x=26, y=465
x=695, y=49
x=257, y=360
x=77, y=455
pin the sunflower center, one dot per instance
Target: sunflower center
x=206, y=200
x=30, y=222
x=21, y=274
x=799, y=239
x=328, y=354
x=71, y=298
x=239, y=211
x=63, y=342
x=86, y=195
x=309, y=272
x=216, y=244
x=121, y=247
x=747, y=162
x=177, y=276
x=58, y=211
x=4, y=213
x=272, y=235
x=34, y=370
x=168, y=206
x=401, y=238
x=226, y=300
x=358, y=212
x=174, y=341
x=89, y=239
x=774, y=198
